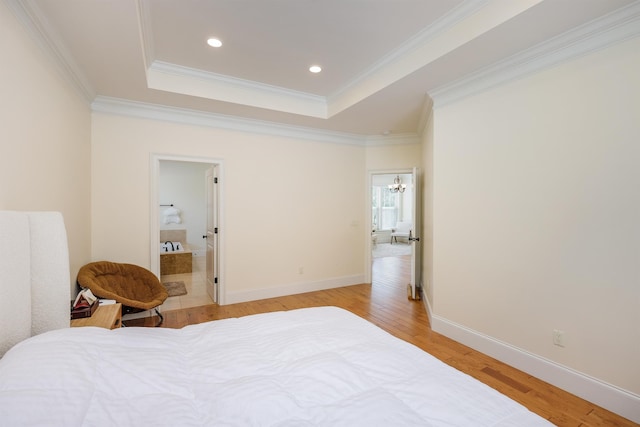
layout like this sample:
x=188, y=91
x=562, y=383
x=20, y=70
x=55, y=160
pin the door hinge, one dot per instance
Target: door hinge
x=215, y=280
x=215, y=180
x=215, y=230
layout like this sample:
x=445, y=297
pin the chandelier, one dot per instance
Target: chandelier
x=397, y=185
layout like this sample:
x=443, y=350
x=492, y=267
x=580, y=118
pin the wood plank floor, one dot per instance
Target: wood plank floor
x=385, y=304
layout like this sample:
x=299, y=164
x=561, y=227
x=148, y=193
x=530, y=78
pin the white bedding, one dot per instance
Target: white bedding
x=309, y=367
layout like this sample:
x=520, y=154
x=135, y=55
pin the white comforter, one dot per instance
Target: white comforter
x=310, y=367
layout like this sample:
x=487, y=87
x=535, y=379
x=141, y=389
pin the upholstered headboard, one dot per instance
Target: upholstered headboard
x=34, y=275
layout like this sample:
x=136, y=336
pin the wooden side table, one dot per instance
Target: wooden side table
x=106, y=316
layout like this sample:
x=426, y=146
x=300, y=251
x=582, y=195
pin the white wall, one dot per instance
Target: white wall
x=44, y=139
x=287, y=204
x=536, y=214
x=183, y=185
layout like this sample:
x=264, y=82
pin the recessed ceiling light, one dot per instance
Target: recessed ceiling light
x=213, y=42
x=315, y=69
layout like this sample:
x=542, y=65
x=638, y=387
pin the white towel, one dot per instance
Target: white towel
x=172, y=215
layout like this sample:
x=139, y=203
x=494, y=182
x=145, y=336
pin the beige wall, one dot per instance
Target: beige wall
x=393, y=157
x=287, y=204
x=45, y=139
x=427, y=209
x=537, y=214
x=531, y=195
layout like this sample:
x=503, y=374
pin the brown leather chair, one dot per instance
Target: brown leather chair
x=135, y=287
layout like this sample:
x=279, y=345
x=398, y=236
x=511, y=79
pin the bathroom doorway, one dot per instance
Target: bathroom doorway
x=179, y=211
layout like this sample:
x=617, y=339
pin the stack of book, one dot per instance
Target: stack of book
x=84, y=305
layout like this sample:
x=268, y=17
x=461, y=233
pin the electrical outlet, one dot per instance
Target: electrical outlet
x=559, y=338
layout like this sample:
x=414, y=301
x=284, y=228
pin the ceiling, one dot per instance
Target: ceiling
x=380, y=58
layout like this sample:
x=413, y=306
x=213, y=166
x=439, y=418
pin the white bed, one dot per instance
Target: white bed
x=310, y=367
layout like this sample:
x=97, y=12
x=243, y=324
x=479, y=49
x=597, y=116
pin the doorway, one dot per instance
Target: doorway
x=392, y=208
x=179, y=188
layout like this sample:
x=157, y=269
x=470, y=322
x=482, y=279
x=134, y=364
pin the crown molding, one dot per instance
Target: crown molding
x=220, y=121
x=393, y=139
x=189, y=81
x=449, y=20
x=615, y=27
x=146, y=33
x=165, y=76
x=33, y=20
x=461, y=25
x=425, y=115
x=169, y=68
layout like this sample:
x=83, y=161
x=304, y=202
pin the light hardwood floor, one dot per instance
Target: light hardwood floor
x=385, y=304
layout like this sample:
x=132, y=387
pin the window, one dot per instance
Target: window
x=385, y=208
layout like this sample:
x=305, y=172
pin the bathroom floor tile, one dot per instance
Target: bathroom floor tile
x=195, y=283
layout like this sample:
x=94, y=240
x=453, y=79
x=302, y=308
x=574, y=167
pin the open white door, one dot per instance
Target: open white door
x=212, y=234
x=416, y=246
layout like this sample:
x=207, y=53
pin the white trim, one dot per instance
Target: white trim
x=176, y=78
x=33, y=20
x=613, y=398
x=368, y=265
x=180, y=70
x=292, y=289
x=449, y=20
x=612, y=28
x=426, y=115
x=154, y=208
x=146, y=33
x=392, y=139
x=190, y=81
x=427, y=306
x=198, y=118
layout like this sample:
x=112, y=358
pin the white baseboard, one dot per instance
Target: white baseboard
x=295, y=288
x=610, y=397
